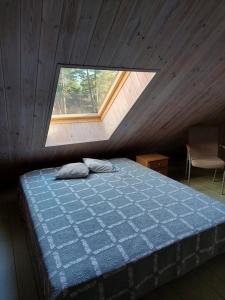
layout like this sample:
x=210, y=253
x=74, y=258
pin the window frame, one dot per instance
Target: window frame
x=105, y=106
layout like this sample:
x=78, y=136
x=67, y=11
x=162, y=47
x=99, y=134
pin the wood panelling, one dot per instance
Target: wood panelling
x=128, y=96
x=10, y=48
x=50, y=27
x=30, y=39
x=5, y=151
x=184, y=40
x=75, y=132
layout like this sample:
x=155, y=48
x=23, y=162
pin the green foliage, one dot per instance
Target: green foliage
x=82, y=90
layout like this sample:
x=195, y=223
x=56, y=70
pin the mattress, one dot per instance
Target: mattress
x=118, y=235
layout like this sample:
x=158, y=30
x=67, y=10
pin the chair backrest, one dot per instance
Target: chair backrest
x=203, y=141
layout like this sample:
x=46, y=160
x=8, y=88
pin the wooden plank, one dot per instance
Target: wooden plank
x=186, y=83
x=203, y=100
x=116, y=34
x=201, y=104
x=51, y=16
x=104, y=23
x=5, y=151
x=154, y=17
x=10, y=46
x=178, y=15
x=84, y=32
x=168, y=93
x=31, y=11
x=68, y=28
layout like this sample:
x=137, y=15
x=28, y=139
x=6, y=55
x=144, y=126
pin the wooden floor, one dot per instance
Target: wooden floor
x=16, y=273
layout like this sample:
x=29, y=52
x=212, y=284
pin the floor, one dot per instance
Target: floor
x=17, y=279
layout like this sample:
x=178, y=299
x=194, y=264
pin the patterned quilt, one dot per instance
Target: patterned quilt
x=119, y=235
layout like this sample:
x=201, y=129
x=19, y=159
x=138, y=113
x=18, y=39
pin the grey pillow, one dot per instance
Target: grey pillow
x=99, y=166
x=74, y=170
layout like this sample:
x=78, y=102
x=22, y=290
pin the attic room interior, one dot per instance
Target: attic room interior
x=112, y=149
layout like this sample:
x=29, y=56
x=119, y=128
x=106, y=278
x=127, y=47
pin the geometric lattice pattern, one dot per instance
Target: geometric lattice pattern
x=119, y=235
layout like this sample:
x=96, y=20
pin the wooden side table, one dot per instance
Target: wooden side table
x=154, y=161
x=223, y=180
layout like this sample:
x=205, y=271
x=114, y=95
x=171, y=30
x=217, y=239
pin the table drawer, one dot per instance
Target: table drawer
x=163, y=171
x=158, y=164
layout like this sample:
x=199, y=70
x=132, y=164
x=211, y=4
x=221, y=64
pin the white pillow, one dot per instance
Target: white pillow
x=99, y=166
x=74, y=170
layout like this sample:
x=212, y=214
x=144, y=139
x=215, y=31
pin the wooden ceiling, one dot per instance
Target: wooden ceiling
x=184, y=40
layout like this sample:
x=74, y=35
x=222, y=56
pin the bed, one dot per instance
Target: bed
x=117, y=235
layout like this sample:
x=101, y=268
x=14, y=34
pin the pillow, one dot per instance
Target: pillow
x=70, y=171
x=99, y=166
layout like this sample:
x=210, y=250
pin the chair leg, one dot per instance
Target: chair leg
x=214, y=176
x=186, y=170
x=189, y=172
x=223, y=182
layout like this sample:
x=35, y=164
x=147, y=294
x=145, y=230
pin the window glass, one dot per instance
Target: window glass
x=82, y=91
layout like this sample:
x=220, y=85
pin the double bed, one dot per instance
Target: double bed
x=117, y=235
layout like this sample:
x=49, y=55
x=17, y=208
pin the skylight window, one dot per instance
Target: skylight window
x=84, y=92
x=90, y=104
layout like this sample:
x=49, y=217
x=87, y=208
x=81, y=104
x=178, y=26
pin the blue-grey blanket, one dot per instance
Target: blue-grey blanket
x=119, y=235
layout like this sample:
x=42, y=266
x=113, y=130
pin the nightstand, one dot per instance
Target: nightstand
x=154, y=161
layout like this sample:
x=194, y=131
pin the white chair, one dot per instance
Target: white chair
x=223, y=175
x=223, y=182
x=202, y=151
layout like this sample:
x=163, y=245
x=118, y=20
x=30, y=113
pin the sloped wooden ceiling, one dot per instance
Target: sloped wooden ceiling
x=184, y=40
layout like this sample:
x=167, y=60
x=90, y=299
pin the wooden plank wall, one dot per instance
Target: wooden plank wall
x=183, y=39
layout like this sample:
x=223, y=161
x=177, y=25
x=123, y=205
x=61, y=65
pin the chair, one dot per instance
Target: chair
x=223, y=180
x=202, y=150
